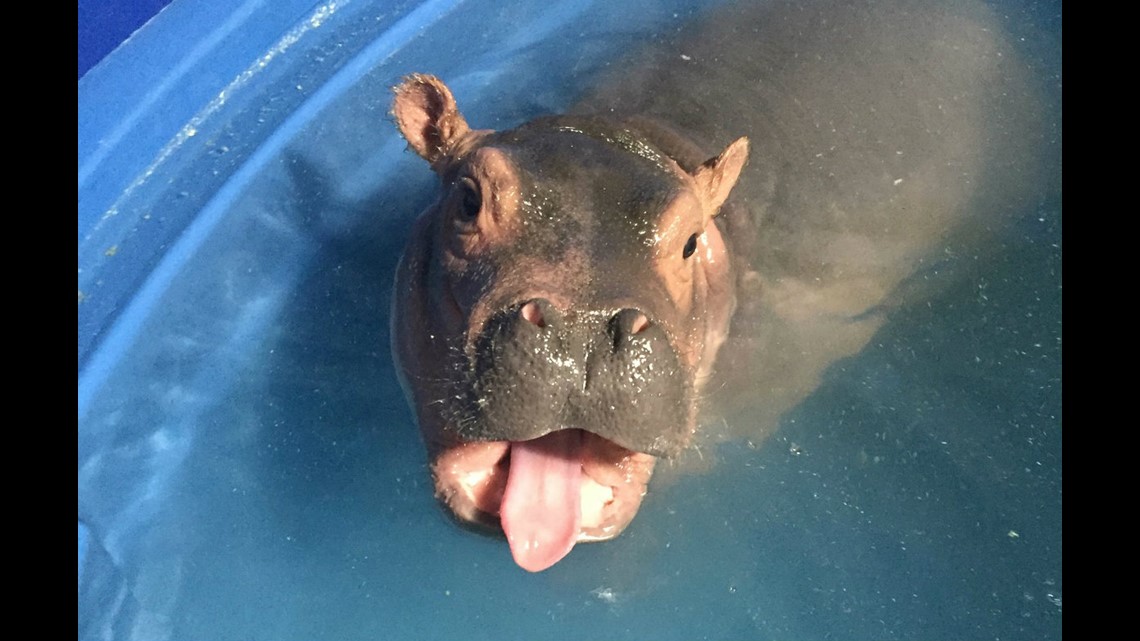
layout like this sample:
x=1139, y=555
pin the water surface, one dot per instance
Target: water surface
x=248, y=468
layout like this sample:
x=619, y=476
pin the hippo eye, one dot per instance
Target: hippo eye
x=690, y=246
x=470, y=200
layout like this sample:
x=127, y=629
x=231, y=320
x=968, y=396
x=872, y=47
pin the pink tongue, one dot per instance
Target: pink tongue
x=541, y=507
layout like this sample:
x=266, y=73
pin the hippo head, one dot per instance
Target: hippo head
x=556, y=312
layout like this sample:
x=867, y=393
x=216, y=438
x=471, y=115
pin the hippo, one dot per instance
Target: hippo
x=558, y=310
x=556, y=314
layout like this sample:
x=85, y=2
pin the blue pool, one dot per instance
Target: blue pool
x=248, y=467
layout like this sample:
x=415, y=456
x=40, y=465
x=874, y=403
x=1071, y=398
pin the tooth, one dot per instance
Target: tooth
x=594, y=498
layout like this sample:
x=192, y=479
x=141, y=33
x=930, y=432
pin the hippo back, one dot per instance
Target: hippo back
x=883, y=132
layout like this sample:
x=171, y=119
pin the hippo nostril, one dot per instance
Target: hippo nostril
x=626, y=324
x=639, y=324
x=533, y=313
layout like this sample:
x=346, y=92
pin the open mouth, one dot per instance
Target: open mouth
x=547, y=494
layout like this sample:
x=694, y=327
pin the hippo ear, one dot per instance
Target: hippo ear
x=427, y=116
x=716, y=177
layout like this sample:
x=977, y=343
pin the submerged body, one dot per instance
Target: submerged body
x=559, y=310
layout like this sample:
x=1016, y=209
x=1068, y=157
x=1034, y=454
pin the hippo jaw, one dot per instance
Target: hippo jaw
x=555, y=314
x=546, y=494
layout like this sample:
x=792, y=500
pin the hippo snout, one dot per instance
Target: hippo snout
x=536, y=369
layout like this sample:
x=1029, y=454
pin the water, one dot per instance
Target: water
x=248, y=467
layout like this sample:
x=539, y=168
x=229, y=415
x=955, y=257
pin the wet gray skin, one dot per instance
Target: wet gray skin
x=592, y=196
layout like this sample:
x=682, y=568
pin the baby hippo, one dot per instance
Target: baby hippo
x=556, y=312
x=559, y=308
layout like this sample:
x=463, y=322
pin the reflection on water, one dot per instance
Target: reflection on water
x=249, y=469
